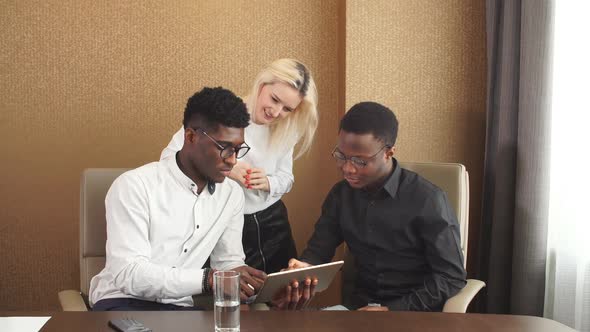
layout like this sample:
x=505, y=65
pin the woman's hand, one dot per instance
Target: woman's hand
x=257, y=179
x=250, y=177
x=240, y=173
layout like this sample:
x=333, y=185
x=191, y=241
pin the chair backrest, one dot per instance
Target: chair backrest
x=450, y=177
x=94, y=186
x=454, y=180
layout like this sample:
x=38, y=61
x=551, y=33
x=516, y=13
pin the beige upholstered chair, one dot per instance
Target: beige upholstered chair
x=454, y=180
x=94, y=185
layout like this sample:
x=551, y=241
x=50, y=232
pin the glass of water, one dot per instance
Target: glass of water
x=226, y=294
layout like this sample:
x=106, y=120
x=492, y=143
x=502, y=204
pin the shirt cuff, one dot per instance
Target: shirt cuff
x=228, y=266
x=272, y=185
x=190, y=282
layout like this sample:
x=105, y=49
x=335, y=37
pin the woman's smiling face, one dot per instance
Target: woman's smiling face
x=275, y=101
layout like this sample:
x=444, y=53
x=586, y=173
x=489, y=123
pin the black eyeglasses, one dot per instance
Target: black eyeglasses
x=227, y=151
x=356, y=161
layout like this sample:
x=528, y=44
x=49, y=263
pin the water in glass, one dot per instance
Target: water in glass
x=227, y=316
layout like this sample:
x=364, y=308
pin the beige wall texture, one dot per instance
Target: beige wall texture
x=103, y=84
x=426, y=60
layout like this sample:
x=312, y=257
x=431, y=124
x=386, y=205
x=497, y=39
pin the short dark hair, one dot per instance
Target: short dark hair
x=371, y=118
x=212, y=107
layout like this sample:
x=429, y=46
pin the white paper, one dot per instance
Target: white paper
x=22, y=324
x=338, y=307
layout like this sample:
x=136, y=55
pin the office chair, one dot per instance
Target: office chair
x=454, y=180
x=94, y=186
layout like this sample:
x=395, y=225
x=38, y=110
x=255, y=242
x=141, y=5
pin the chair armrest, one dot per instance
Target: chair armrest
x=460, y=302
x=71, y=300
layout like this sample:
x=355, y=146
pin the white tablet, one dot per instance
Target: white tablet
x=276, y=281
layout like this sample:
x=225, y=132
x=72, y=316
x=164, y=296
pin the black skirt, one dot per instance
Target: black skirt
x=267, y=238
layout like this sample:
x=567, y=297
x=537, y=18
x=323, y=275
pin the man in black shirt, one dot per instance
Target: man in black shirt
x=399, y=227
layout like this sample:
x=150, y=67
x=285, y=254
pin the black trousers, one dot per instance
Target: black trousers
x=128, y=304
x=267, y=238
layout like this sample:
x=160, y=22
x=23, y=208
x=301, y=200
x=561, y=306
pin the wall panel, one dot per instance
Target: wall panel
x=425, y=60
x=104, y=83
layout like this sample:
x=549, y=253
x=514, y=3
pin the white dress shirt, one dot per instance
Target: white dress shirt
x=160, y=232
x=278, y=165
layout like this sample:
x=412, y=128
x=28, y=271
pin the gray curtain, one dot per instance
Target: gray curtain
x=513, y=240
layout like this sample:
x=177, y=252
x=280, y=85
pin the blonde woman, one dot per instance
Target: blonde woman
x=283, y=113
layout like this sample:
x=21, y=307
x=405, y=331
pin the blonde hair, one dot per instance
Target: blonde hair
x=301, y=124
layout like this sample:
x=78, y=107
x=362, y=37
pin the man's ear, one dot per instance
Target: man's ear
x=390, y=152
x=189, y=135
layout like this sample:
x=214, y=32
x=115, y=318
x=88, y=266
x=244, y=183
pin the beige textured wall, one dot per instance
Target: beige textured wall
x=426, y=61
x=103, y=84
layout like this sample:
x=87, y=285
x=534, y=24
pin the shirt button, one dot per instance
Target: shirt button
x=185, y=250
x=197, y=226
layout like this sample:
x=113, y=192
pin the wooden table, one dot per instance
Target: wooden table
x=302, y=321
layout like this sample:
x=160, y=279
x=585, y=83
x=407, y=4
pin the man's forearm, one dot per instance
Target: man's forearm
x=148, y=280
x=432, y=297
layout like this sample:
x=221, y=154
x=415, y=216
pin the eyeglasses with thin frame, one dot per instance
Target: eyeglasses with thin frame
x=356, y=161
x=226, y=151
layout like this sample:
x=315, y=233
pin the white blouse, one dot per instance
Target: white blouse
x=278, y=166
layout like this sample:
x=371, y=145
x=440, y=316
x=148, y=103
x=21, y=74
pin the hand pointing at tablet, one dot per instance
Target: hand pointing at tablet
x=296, y=264
x=250, y=281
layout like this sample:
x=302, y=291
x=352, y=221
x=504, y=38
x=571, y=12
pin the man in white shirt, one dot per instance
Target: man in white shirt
x=166, y=218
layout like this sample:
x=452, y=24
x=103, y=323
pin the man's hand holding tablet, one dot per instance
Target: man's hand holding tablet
x=302, y=295
x=297, y=294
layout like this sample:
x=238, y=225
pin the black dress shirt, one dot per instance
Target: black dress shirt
x=404, y=237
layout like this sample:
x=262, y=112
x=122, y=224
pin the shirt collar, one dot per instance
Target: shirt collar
x=183, y=180
x=392, y=184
